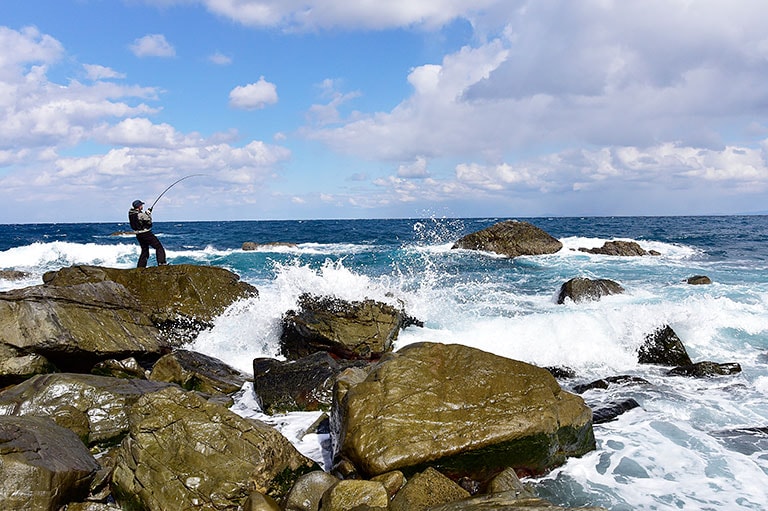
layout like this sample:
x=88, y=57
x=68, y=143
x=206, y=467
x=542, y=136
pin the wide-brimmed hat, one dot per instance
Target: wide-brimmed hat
x=137, y=203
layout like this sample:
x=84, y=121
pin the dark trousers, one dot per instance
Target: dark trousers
x=146, y=240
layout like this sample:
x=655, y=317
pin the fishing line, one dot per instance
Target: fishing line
x=172, y=185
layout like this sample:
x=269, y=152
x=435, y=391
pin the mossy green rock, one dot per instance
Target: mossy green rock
x=458, y=409
x=512, y=239
x=184, y=452
x=166, y=293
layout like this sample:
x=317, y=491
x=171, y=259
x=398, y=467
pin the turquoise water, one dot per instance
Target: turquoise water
x=679, y=450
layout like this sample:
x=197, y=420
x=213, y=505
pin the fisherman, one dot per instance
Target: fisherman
x=141, y=223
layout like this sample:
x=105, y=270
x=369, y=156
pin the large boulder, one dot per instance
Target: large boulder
x=580, y=289
x=75, y=326
x=184, y=452
x=350, y=330
x=511, y=238
x=458, y=409
x=42, y=465
x=182, y=299
x=95, y=407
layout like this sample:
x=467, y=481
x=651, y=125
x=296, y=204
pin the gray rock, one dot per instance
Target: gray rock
x=42, y=465
x=512, y=239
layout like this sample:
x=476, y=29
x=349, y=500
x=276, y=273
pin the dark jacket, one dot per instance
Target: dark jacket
x=141, y=221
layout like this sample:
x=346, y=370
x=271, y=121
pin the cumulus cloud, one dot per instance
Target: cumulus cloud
x=635, y=82
x=40, y=120
x=152, y=45
x=415, y=169
x=24, y=47
x=254, y=95
x=97, y=72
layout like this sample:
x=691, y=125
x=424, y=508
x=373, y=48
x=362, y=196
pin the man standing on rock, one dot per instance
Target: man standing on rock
x=141, y=223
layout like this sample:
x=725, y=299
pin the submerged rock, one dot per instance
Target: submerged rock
x=458, y=409
x=512, y=239
x=663, y=347
x=613, y=410
x=706, y=369
x=698, y=280
x=580, y=289
x=620, y=248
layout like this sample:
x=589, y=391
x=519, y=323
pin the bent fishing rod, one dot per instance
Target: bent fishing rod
x=172, y=185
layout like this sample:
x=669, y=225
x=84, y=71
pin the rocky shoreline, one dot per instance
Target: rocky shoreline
x=103, y=408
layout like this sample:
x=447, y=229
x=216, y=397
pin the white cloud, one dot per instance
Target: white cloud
x=254, y=95
x=415, y=169
x=220, y=59
x=41, y=115
x=312, y=14
x=152, y=45
x=26, y=46
x=97, y=72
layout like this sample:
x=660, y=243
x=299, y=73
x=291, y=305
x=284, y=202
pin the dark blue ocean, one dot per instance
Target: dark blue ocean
x=693, y=444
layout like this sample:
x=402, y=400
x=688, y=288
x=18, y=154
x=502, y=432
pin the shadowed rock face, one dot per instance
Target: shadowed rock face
x=511, y=239
x=42, y=465
x=459, y=409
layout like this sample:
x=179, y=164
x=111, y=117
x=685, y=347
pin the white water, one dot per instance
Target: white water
x=663, y=456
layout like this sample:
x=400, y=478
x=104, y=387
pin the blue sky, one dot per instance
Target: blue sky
x=335, y=109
